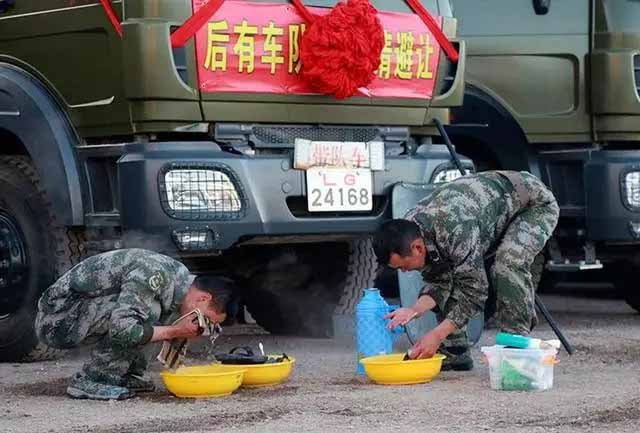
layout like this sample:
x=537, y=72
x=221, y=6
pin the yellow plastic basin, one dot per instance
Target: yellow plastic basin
x=392, y=370
x=203, y=381
x=258, y=375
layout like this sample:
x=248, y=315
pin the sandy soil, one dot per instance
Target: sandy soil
x=597, y=389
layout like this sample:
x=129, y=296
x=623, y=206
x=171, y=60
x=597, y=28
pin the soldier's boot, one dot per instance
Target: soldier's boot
x=137, y=383
x=81, y=386
x=457, y=358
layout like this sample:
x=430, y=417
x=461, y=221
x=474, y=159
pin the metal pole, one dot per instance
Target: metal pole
x=447, y=141
x=553, y=325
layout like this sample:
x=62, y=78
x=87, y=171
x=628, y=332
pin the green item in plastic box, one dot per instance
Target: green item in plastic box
x=513, y=379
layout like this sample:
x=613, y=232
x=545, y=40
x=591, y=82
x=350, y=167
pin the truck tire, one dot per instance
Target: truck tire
x=361, y=273
x=34, y=249
x=303, y=287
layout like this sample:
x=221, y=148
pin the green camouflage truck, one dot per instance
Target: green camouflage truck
x=552, y=88
x=110, y=141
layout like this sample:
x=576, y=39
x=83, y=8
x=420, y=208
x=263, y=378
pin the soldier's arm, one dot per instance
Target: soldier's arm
x=424, y=303
x=431, y=295
x=469, y=280
x=183, y=329
x=138, y=307
x=402, y=316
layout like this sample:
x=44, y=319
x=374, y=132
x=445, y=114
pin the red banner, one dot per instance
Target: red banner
x=254, y=47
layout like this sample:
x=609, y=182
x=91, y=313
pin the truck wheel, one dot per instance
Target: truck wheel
x=304, y=286
x=361, y=273
x=33, y=248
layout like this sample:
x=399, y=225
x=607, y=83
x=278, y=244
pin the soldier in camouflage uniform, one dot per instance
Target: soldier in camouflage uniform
x=123, y=300
x=450, y=234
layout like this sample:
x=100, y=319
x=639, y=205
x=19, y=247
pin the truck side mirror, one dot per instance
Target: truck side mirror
x=541, y=6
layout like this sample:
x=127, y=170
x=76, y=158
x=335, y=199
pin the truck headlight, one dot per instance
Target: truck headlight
x=200, y=193
x=448, y=174
x=631, y=189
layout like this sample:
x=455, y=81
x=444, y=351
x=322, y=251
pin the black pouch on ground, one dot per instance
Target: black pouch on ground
x=244, y=355
x=241, y=355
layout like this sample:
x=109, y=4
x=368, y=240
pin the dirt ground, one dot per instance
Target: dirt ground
x=597, y=389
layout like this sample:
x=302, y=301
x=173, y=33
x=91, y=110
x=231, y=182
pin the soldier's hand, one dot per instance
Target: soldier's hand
x=426, y=347
x=188, y=327
x=400, y=317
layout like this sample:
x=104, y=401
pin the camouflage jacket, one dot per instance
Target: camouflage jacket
x=461, y=221
x=140, y=287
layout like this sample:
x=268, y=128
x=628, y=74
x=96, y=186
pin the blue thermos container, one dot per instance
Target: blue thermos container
x=372, y=336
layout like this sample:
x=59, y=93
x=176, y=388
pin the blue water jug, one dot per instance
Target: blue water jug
x=372, y=335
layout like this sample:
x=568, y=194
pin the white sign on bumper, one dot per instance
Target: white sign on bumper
x=338, y=154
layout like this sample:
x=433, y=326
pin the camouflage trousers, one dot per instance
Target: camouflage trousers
x=511, y=268
x=86, y=322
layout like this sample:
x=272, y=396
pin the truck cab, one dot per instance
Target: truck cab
x=213, y=151
x=552, y=88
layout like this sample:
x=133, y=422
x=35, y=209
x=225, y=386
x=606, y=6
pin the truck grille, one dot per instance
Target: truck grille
x=274, y=135
x=284, y=136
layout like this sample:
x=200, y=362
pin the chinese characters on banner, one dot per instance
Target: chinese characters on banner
x=255, y=47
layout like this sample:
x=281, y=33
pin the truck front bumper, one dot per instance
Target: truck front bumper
x=272, y=193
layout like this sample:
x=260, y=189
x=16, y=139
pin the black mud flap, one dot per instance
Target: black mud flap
x=403, y=198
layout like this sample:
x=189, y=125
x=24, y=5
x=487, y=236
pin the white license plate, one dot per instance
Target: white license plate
x=339, y=189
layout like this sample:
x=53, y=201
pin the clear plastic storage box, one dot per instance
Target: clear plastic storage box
x=520, y=369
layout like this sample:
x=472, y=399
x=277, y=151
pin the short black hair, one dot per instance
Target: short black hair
x=221, y=289
x=394, y=236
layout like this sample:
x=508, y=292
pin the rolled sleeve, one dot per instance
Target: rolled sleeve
x=133, y=335
x=137, y=309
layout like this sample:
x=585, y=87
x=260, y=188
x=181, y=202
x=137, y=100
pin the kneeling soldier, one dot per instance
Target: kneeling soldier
x=123, y=300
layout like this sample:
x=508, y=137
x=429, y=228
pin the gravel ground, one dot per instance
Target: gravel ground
x=595, y=390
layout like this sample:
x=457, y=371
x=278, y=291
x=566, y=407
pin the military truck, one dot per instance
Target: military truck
x=552, y=88
x=213, y=151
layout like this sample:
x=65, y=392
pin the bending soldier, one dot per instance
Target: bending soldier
x=449, y=235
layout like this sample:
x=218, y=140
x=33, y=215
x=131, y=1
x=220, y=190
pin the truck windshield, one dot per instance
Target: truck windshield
x=383, y=5
x=622, y=15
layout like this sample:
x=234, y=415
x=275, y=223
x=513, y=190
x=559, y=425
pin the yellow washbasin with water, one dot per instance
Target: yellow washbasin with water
x=203, y=381
x=257, y=375
x=392, y=370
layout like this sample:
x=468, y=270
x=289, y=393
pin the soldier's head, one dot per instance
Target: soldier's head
x=211, y=295
x=399, y=244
